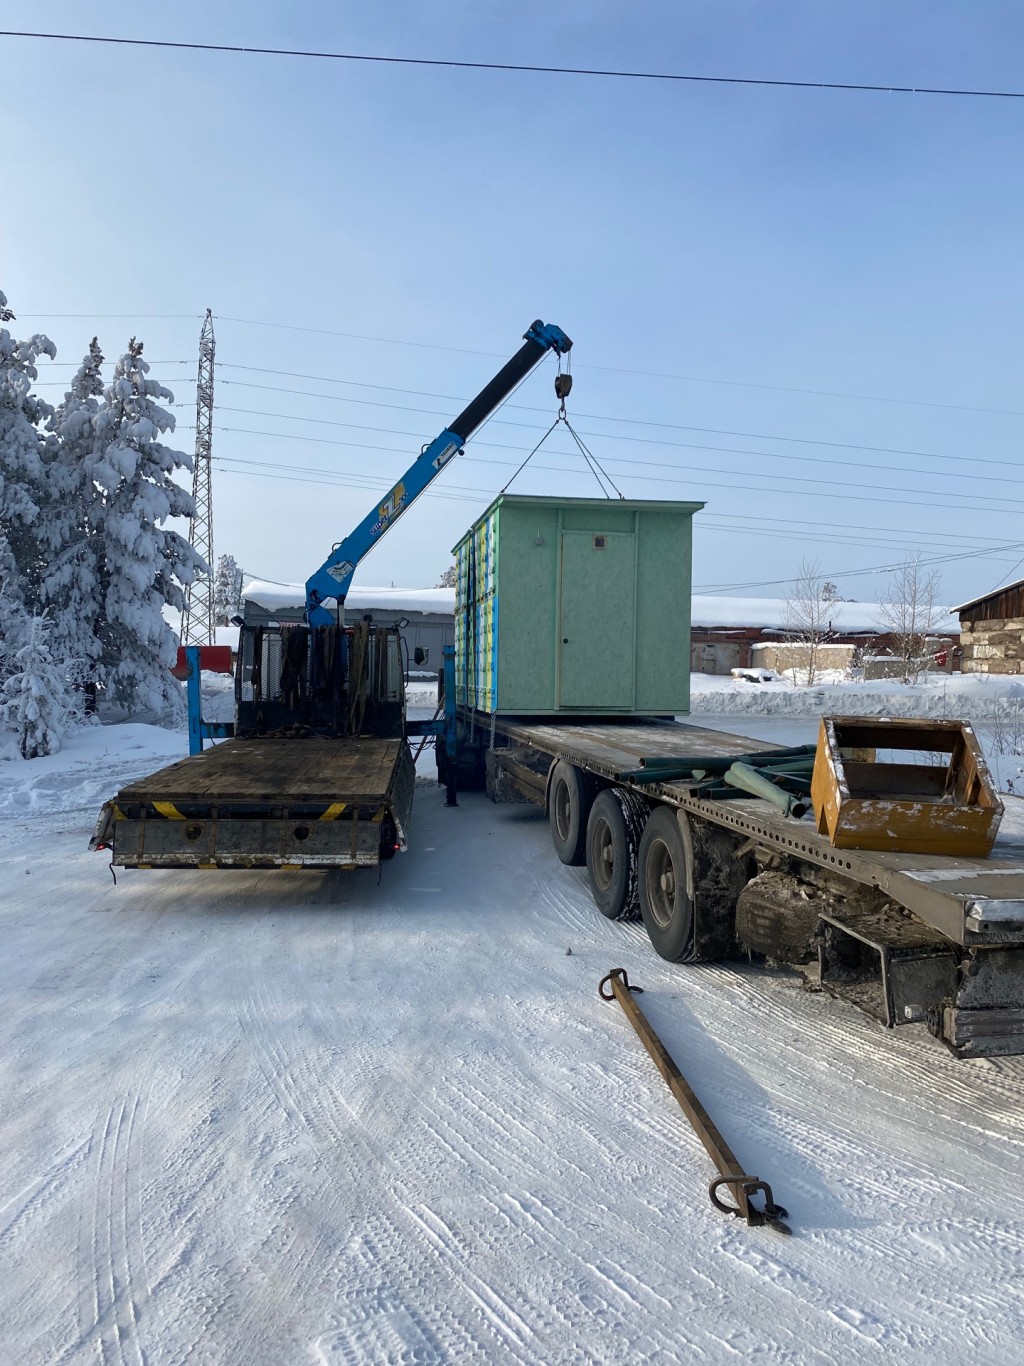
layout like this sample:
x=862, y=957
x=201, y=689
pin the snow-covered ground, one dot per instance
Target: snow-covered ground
x=288, y=1117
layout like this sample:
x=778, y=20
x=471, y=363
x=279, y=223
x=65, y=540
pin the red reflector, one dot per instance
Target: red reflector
x=214, y=659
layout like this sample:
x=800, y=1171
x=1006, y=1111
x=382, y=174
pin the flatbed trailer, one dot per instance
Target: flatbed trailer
x=267, y=802
x=910, y=938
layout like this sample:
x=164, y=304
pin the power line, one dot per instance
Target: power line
x=901, y=534
x=460, y=493
x=847, y=526
x=530, y=408
x=141, y=317
x=804, y=480
x=856, y=573
x=452, y=63
x=467, y=351
x=703, y=483
x=615, y=369
x=592, y=417
x=621, y=370
x=640, y=440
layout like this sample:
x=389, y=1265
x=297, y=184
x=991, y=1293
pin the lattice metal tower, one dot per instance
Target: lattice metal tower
x=198, y=622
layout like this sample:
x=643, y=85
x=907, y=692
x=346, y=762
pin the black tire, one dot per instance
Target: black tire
x=570, y=794
x=665, y=906
x=614, y=829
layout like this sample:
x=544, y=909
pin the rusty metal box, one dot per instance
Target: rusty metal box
x=920, y=807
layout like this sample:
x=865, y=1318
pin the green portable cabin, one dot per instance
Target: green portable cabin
x=575, y=605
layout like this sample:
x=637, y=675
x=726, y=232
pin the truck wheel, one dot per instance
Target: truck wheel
x=665, y=906
x=613, y=837
x=570, y=794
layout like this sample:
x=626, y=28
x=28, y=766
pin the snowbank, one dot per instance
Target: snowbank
x=95, y=762
x=935, y=695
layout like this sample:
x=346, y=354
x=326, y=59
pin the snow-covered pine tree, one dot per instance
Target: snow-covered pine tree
x=25, y=452
x=35, y=699
x=73, y=586
x=227, y=590
x=13, y=617
x=144, y=563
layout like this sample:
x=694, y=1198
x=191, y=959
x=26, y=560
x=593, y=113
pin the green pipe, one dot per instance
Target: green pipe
x=682, y=772
x=796, y=783
x=749, y=780
x=719, y=763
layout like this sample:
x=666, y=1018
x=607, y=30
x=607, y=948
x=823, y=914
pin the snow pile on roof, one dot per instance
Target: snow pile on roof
x=770, y=613
x=275, y=596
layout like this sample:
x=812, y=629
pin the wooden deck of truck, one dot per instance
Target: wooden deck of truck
x=267, y=802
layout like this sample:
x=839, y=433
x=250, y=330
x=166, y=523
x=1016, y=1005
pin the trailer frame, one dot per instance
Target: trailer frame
x=968, y=912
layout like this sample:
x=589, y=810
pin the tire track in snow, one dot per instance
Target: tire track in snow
x=115, y=1288
x=211, y=1122
x=903, y=1174
x=911, y=1074
x=395, y=1314
x=512, y=1155
x=35, y=1197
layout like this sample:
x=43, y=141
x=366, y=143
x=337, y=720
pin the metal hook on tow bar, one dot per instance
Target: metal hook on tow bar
x=772, y=1213
x=617, y=986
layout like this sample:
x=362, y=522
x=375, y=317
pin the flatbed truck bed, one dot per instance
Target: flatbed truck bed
x=266, y=802
x=970, y=900
x=894, y=932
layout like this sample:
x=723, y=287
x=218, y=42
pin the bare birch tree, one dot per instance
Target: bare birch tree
x=910, y=612
x=805, y=618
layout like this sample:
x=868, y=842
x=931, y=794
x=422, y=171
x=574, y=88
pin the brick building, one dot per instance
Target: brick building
x=992, y=631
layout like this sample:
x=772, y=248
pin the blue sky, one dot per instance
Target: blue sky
x=715, y=252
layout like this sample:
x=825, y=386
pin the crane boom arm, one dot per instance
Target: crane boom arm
x=334, y=577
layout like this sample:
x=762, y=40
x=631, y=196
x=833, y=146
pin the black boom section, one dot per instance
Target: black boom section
x=499, y=388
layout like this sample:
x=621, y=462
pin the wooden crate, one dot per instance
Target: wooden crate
x=913, y=807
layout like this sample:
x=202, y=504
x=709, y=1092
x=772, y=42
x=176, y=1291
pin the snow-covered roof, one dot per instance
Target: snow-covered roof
x=770, y=613
x=275, y=596
x=764, y=613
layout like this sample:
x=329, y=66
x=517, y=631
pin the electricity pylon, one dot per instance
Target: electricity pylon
x=197, y=622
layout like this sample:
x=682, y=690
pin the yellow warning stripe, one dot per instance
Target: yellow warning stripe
x=169, y=810
x=334, y=811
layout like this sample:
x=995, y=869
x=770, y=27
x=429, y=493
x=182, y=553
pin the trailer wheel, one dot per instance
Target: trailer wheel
x=570, y=795
x=665, y=904
x=613, y=838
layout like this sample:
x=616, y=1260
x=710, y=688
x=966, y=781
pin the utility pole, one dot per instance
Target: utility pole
x=197, y=622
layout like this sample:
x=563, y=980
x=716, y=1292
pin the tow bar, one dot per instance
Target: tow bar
x=730, y=1172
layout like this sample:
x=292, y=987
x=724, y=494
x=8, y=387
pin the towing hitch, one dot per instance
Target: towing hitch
x=731, y=1176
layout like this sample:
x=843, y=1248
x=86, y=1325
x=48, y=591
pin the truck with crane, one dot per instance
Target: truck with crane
x=317, y=771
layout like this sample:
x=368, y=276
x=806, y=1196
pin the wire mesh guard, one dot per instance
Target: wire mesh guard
x=329, y=680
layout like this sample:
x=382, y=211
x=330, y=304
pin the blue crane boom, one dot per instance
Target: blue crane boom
x=334, y=577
